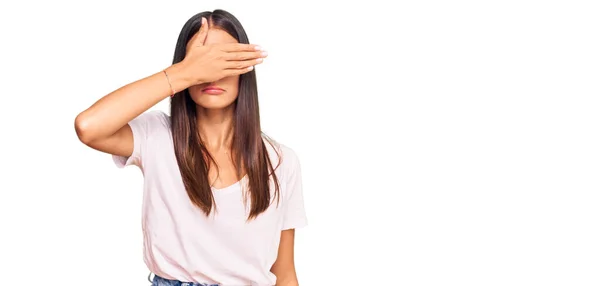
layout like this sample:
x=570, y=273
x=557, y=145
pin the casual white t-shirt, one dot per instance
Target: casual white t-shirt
x=181, y=242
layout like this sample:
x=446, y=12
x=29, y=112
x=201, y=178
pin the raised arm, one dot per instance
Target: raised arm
x=104, y=125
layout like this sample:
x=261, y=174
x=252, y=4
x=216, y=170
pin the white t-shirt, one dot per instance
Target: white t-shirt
x=181, y=242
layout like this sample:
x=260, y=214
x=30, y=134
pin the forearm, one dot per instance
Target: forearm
x=115, y=110
x=286, y=279
x=288, y=282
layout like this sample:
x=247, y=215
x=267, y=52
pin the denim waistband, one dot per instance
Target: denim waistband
x=159, y=281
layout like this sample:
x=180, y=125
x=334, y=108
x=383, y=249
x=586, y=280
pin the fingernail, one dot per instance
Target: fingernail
x=250, y=68
x=264, y=54
x=259, y=60
x=258, y=48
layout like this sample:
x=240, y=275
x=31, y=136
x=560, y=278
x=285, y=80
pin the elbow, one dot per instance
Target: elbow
x=83, y=130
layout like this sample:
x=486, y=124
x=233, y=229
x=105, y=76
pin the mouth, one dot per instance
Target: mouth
x=213, y=87
x=213, y=90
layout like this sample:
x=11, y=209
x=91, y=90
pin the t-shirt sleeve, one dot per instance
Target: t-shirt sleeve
x=294, y=212
x=141, y=127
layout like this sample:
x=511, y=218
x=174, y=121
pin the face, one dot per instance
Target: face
x=221, y=93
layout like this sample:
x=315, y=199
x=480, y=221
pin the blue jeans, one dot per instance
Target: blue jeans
x=159, y=281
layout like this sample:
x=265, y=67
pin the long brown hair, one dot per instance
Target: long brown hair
x=249, y=151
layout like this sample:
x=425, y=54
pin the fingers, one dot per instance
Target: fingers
x=243, y=64
x=237, y=47
x=200, y=37
x=234, y=72
x=242, y=56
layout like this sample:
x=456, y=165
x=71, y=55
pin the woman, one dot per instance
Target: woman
x=221, y=200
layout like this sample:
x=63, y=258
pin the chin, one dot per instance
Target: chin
x=214, y=106
x=213, y=102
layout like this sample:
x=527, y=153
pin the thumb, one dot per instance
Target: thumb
x=202, y=33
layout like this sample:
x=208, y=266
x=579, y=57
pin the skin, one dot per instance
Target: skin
x=213, y=58
x=215, y=117
x=284, y=267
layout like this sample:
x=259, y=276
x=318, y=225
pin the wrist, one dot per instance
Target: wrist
x=179, y=77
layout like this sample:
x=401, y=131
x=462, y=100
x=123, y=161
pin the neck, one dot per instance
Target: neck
x=216, y=127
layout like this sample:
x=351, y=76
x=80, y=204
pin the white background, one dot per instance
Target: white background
x=442, y=142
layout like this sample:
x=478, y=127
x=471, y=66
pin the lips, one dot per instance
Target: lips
x=215, y=90
x=212, y=88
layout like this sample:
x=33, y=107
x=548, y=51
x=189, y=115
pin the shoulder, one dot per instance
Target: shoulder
x=151, y=121
x=155, y=117
x=283, y=157
x=288, y=155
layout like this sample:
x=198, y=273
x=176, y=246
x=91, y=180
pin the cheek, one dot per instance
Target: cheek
x=232, y=82
x=196, y=90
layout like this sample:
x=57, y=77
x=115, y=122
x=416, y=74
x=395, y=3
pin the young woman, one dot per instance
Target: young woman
x=221, y=200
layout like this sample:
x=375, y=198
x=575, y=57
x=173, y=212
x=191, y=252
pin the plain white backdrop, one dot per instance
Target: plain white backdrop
x=442, y=142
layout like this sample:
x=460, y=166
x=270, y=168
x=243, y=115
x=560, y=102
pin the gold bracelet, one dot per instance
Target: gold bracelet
x=169, y=80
